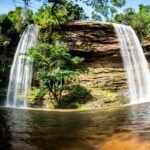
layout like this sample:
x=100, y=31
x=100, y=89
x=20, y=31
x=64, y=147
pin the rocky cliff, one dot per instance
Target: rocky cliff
x=97, y=43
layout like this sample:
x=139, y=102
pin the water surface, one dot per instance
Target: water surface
x=125, y=128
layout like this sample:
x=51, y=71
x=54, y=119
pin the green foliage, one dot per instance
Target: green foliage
x=8, y=37
x=33, y=94
x=144, y=8
x=44, y=18
x=51, y=16
x=6, y=30
x=20, y=18
x=109, y=95
x=101, y=8
x=113, y=97
x=6, y=43
x=78, y=93
x=74, y=105
x=55, y=68
x=36, y=95
x=75, y=97
x=118, y=3
x=104, y=8
x=96, y=17
x=140, y=20
x=5, y=23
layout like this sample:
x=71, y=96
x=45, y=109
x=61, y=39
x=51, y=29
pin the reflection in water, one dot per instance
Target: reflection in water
x=18, y=122
x=126, y=127
x=139, y=117
x=125, y=141
x=5, y=134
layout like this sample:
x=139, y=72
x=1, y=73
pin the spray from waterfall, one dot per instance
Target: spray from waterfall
x=21, y=70
x=135, y=64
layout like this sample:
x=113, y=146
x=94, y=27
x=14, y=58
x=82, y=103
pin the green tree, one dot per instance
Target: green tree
x=96, y=17
x=55, y=68
x=126, y=17
x=58, y=14
x=103, y=8
x=50, y=17
x=140, y=20
x=7, y=33
x=144, y=8
x=20, y=18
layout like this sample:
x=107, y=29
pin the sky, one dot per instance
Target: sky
x=7, y=5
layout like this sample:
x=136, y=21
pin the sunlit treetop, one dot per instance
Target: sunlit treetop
x=101, y=8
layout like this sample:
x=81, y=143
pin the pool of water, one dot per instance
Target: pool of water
x=124, y=128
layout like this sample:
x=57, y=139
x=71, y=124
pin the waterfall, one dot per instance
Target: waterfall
x=135, y=64
x=21, y=70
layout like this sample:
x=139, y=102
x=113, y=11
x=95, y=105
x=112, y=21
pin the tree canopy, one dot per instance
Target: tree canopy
x=55, y=68
x=101, y=8
x=140, y=20
x=61, y=13
x=20, y=18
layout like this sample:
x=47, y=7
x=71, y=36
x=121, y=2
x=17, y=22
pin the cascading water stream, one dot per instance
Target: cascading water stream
x=21, y=70
x=135, y=64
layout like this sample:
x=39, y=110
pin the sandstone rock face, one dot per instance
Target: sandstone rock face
x=97, y=43
x=112, y=79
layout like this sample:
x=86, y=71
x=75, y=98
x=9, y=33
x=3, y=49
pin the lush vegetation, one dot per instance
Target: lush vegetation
x=54, y=12
x=140, y=20
x=8, y=41
x=101, y=8
x=55, y=68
